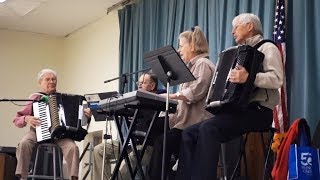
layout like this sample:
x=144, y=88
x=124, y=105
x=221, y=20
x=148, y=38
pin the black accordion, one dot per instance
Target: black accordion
x=60, y=117
x=224, y=95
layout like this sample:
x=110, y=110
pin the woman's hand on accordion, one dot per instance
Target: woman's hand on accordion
x=32, y=121
x=238, y=75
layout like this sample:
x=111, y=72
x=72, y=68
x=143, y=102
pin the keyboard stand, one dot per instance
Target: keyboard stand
x=144, y=146
x=130, y=137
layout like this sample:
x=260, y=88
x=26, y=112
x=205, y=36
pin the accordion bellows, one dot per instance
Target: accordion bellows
x=224, y=95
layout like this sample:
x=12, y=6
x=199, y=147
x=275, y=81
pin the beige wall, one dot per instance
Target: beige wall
x=91, y=57
x=83, y=61
x=22, y=55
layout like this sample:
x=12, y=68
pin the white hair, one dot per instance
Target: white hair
x=246, y=18
x=45, y=71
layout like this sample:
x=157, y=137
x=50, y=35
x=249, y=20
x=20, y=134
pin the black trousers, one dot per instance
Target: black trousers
x=200, y=144
x=172, y=147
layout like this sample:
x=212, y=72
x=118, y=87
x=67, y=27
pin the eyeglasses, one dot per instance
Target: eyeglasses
x=237, y=25
x=50, y=79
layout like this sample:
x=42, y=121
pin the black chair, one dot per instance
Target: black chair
x=42, y=156
x=266, y=152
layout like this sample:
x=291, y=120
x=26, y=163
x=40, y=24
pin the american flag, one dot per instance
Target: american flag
x=280, y=114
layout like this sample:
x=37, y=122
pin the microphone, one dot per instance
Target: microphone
x=44, y=99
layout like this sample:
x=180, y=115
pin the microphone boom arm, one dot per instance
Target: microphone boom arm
x=127, y=74
x=18, y=100
x=42, y=99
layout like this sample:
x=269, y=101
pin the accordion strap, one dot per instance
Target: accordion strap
x=262, y=42
x=42, y=93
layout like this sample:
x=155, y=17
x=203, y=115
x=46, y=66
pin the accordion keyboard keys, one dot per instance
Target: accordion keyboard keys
x=41, y=111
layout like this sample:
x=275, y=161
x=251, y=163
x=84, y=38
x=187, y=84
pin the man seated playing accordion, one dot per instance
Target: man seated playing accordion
x=47, y=80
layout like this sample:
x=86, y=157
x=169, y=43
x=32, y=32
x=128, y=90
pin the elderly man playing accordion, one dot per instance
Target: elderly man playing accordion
x=47, y=80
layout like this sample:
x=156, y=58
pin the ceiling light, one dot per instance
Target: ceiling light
x=1, y=1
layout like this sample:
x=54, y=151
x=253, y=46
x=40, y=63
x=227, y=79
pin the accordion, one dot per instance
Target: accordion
x=60, y=117
x=224, y=95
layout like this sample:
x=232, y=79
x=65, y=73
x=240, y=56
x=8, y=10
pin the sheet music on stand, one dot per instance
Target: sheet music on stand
x=167, y=59
x=166, y=63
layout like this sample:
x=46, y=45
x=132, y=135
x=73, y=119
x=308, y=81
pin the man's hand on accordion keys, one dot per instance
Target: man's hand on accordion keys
x=87, y=112
x=238, y=75
x=32, y=121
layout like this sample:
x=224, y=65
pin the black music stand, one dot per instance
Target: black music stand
x=166, y=63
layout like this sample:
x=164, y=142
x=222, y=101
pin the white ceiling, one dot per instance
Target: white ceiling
x=51, y=17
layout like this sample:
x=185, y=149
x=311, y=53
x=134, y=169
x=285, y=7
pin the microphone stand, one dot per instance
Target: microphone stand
x=127, y=74
x=124, y=81
x=18, y=100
